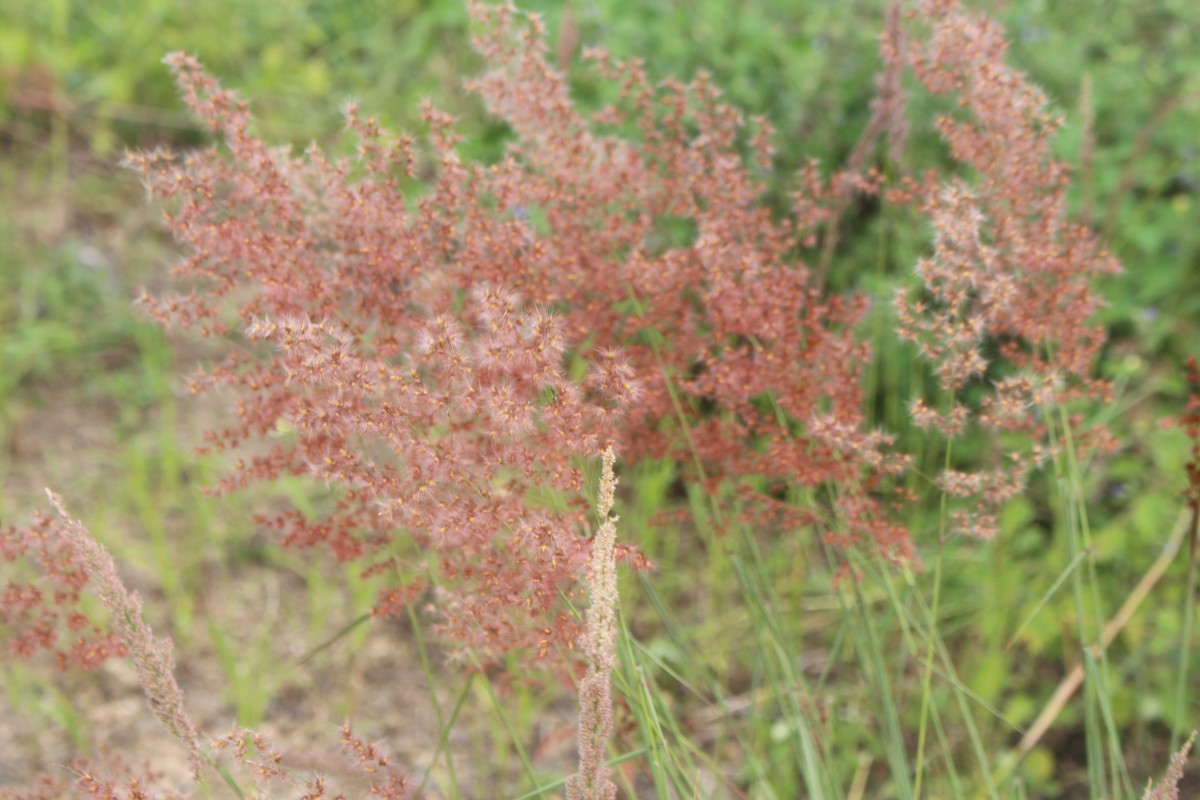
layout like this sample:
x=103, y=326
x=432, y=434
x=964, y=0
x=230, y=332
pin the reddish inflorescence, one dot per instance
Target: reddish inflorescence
x=445, y=360
x=412, y=376
x=1006, y=299
x=417, y=370
x=40, y=603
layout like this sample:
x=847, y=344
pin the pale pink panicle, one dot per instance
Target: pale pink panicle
x=1168, y=787
x=592, y=781
x=152, y=658
x=1009, y=276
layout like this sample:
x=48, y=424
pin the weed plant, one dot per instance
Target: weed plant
x=427, y=355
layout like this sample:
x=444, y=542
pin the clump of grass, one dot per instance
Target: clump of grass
x=447, y=358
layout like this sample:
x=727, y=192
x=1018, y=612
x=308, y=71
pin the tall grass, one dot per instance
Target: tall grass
x=443, y=349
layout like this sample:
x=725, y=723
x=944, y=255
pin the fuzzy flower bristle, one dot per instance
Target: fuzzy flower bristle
x=592, y=781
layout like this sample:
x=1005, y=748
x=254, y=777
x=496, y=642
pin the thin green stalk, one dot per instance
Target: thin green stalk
x=430, y=683
x=927, y=679
x=784, y=679
x=1093, y=734
x=947, y=756
x=522, y=756
x=874, y=667
x=229, y=781
x=672, y=723
x=1049, y=593
x=1080, y=529
x=631, y=678
x=947, y=673
x=708, y=691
